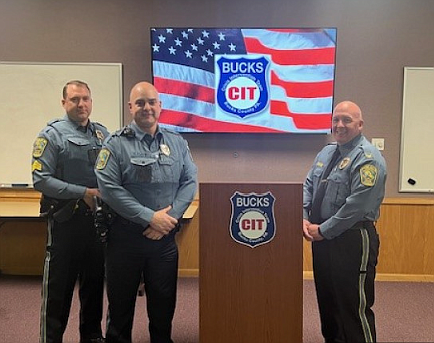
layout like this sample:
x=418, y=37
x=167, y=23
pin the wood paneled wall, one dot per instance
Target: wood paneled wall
x=406, y=248
x=407, y=239
x=406, y=242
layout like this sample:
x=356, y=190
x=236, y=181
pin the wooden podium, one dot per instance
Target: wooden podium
x=250, y=294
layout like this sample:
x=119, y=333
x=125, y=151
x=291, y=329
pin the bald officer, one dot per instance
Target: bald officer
x=147, y=176
x=341, y=200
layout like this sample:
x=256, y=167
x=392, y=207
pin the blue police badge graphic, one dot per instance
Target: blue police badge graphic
x=242, y=84
x=252, y=218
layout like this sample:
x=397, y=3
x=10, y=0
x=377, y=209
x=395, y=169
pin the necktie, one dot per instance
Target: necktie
x=148, y=139
x=317, y=201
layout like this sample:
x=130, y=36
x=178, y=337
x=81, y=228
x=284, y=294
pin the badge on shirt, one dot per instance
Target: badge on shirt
x=165, y=149
x=99, y=135
x=368, y=175
x=103, y=157
x=39, y=146
x=344, y=163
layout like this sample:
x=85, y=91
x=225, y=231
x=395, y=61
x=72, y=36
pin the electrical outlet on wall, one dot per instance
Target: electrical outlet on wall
x=378, y=143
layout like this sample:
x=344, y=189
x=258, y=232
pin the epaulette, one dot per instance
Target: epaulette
x=51, y=122
x=331, y=146
x=166, y=130
x=99, y=124
x=368, y=151
x=126, y=131
x=110, y=137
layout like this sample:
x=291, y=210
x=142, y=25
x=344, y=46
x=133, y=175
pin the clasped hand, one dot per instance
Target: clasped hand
x=311, y=231
x=161, y=224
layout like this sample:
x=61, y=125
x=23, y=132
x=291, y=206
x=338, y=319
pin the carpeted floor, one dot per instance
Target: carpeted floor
x=404, y=311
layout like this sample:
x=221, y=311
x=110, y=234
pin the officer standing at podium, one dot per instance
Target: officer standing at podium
x=64, y=156
x=147, y=176
x=342, y=195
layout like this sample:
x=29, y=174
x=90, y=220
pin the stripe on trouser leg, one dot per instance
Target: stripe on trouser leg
x=43, y=320
x=362, y=295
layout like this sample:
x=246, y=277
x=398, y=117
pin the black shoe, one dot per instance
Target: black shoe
x=93, y=340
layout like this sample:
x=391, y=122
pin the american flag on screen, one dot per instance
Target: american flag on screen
x=300, y=79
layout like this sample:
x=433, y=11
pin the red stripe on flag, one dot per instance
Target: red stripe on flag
x=302, y=121
x=184, y=89
x=292, y=57
x=195, y=122
x=319, y=89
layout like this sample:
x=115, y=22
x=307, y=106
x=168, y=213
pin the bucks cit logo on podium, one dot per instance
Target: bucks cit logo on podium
x=252, y=218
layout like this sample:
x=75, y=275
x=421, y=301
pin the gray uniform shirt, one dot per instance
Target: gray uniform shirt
x=64, y=157
x=355, y=186
x=137, y=178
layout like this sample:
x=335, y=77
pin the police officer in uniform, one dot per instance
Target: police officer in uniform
x=147, y=176
x=342, y=196
x=64, y=156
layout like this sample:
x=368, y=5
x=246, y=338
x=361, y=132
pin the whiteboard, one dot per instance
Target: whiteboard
x=417, y=131
x=30, y=96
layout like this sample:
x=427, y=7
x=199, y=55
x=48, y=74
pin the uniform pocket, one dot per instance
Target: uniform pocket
x=337, y=189
x=78, y=148
x=170, y=168
x=143, y=168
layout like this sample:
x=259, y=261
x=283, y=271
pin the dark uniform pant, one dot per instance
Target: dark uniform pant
x=344, y=273
x=130, y=256
x=73, y=253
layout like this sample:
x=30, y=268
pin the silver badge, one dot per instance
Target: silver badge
x=165, y=149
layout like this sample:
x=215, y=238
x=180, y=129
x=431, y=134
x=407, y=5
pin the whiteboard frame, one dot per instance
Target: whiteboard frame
x=26, y=117
x=404, y=185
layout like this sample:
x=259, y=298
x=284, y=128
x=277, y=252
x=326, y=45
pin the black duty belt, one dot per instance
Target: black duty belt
x=81, y=208
x=365, y=224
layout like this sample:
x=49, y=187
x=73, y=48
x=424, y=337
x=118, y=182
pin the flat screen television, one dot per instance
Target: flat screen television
x=249, y=80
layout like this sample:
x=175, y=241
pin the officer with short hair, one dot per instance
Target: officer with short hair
x=342, y=195
x=64, y=154
x=147, y=176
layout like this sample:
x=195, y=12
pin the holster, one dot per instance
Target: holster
x=66, y=212
x=59, y=210
x=47, y=206
x=103, y=219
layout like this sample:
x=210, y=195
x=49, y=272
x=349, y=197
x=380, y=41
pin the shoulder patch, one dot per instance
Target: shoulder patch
x=368, y=175
x=103, y=158
x=39, y=146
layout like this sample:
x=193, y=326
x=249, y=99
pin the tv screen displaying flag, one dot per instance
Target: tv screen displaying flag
x=257, y=80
